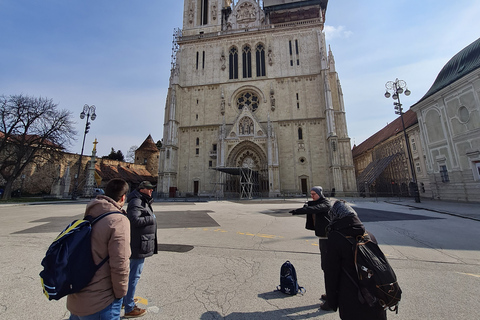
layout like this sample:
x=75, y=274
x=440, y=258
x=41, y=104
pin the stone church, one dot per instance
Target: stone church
x=254, y=105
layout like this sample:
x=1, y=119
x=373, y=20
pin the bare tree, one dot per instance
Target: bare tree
x=31, y=130
x=130, y=157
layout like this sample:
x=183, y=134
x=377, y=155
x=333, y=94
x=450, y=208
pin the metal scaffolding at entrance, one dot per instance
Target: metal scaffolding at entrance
x=248, y=181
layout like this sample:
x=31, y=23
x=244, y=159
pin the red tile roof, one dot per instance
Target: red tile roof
x=392, y=129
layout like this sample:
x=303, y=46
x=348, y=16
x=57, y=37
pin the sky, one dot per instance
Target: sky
x=116, y=55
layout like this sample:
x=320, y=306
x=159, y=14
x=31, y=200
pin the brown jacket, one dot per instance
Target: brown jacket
x=110, y=237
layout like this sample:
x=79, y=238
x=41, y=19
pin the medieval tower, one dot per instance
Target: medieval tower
x=254, y=105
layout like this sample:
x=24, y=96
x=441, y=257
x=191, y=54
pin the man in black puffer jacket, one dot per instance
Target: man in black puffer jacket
x=143, y=228
x=317, y=220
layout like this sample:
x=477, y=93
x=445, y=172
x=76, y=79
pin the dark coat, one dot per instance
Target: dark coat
x=317, y=216
x=143, y=225
x=341, y=291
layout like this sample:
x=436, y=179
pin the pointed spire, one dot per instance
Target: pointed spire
x=331, y=59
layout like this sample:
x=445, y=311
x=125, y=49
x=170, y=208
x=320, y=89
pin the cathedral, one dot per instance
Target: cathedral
x=254, y=105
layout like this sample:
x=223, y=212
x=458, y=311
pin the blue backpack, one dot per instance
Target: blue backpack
x=288, y=280
x=68, y=264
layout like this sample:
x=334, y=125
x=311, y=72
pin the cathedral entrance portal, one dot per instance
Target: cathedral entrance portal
x=247, y=172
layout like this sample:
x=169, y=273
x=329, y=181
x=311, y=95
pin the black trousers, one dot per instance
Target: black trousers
x=322, y=243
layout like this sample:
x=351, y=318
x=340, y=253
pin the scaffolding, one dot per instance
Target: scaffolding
x=249, y=182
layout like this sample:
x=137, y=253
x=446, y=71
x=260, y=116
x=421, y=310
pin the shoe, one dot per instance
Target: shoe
x=135, y=300
x=135, y=313
x=325, y=307
x=323, y=297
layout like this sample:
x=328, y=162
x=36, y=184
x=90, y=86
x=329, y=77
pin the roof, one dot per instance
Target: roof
x=130, y=174
x=148, y=145
x=392, y=129
x=464, y=62
x=281, y=5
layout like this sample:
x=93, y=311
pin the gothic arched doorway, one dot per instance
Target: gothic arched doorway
x=253, y=181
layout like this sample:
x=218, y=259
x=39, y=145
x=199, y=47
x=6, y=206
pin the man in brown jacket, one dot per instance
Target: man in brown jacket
x=102, y=298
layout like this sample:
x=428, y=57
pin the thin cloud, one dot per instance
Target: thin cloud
x=332, y=32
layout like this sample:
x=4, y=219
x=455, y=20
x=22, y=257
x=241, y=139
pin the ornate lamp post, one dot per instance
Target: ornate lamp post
x=398, y=87
x=88, y=111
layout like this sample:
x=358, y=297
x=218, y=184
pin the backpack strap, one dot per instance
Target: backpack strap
x=92, y=222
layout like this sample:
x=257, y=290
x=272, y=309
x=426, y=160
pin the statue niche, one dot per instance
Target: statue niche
x=245, y=126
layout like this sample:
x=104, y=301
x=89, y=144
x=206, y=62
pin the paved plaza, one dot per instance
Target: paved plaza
x=221, y=259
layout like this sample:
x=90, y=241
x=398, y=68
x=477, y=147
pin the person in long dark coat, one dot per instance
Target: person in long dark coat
x=341, y=291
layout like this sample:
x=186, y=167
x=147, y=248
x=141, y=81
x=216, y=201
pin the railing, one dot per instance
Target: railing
x=243, y=30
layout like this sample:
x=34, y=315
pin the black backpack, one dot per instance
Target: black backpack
x=377, y=282
x=68, y=265
x=288, y=280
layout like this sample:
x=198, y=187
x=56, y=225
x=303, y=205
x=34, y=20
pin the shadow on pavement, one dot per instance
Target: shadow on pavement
x=288, y=313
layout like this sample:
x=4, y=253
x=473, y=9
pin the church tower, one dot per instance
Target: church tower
x=254, y=106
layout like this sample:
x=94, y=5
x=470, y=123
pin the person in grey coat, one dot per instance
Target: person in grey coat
x=143, y=243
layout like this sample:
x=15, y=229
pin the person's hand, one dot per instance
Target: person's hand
x=292, y=212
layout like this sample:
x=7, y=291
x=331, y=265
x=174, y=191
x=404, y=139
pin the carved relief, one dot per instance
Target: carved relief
x=245, y=126
x=272, y=99
x=214, y=11
x=223, y=60
x=191, y=13
x=270, y=56
x=246, y=14
x=222, y=104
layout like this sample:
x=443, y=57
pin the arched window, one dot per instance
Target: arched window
x=247, y=62
x=260, y=60
x=300, y=134
x=203, y=5
x=233, y=63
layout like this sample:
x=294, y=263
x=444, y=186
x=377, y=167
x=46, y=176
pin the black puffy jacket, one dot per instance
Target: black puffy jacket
x=143, y=225
x=341, y=291
x=317, y=216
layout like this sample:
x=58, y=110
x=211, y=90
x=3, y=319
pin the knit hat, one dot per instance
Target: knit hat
x=318, y=190
x=341, y=210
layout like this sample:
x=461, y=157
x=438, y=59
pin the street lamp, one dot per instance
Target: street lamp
x=88, y=111
x=398, y=87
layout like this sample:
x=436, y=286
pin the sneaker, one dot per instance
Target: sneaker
x=325, y=307
x=323, y=297
x=135, y=313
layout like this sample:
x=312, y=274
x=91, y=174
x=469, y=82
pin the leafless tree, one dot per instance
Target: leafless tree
x=31, y=130
x=130, y=157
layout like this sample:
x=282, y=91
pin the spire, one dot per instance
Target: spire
x=331, y=59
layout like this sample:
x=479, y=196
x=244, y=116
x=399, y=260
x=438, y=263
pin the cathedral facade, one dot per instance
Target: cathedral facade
x=254, y=104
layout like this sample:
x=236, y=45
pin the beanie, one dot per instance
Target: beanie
x=318, y=190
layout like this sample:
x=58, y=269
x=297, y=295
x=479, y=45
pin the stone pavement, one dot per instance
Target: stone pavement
x=238, y=248
x=468, y=210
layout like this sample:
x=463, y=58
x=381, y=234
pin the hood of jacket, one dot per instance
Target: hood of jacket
x=349, y=226
x=100, y=205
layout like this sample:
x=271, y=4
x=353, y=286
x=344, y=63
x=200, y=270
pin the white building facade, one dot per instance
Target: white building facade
x=449, y=120
x=254, y=105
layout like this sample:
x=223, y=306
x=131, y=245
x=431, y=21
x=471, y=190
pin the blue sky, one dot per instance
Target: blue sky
x=116, y=55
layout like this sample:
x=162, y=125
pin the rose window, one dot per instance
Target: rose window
x=248, y=99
